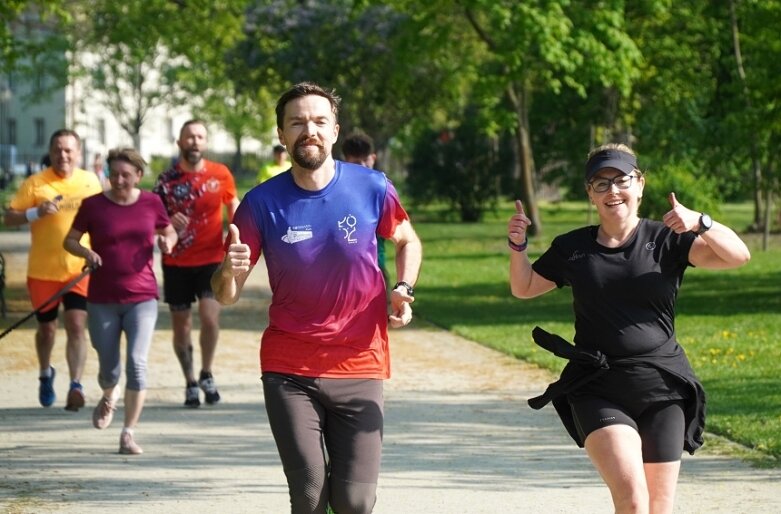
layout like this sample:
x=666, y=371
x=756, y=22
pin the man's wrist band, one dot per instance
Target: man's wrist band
x=31, y=214
x=518, y=248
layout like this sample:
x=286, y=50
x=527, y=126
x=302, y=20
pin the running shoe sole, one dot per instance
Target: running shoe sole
x=76, y=399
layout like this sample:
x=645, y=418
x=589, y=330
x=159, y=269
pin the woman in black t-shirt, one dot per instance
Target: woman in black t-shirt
x=642, y=406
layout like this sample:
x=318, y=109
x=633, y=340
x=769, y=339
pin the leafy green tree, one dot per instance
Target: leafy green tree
x=757, y=63
x=529, y=48
x=143, y=54
x=32, y=45
x=364, y=50
x=463, y=167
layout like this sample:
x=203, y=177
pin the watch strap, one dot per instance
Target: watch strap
x=405, y=285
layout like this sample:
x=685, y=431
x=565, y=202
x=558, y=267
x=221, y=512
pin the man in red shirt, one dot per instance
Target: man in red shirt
x=194, y=191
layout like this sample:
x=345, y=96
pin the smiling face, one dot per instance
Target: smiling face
x=309, y=128
x=124, y=177
x=616, y=203
x=65, y=154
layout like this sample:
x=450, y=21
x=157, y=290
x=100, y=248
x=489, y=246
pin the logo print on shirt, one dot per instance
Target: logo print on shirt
x=212, y=185
x=348, y=224
x=297, y=234
x=650, y=246
x=577, y=254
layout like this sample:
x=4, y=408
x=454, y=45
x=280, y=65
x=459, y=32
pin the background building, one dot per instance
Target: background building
x=27, y=120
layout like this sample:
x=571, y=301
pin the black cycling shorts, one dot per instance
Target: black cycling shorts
x=661, y=424
x=69, y=301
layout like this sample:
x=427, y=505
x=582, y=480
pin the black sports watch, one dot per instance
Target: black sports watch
x=410, y=290
x=706, y=222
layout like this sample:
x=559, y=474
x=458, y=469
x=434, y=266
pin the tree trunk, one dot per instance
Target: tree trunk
x=520, y=101
x=756, y=167
x=236, y=165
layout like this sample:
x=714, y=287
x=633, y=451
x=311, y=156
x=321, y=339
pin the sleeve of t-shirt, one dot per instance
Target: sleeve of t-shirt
x=392, y=212
x=229, y=191
x=249, y=230
x=161, y=215
x=552, y=265
x=81, y=220
x=24, y=198
x=684, y=244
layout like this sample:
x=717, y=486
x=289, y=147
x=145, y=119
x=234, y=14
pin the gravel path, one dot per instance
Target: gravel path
x=458, y=436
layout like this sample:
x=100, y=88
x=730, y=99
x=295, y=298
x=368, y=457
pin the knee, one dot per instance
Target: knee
x=47, y=330
x=352, y=497
x=631, y=500
x=136, y=375
x=307, y=490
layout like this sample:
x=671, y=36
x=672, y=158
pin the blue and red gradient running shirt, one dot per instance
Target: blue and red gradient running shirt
x=328, y=314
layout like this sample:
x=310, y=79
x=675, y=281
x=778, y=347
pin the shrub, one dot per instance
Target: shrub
x=691, y=187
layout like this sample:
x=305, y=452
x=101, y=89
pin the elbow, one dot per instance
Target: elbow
x=519, y=292
x=744, y=258
x=740, y=256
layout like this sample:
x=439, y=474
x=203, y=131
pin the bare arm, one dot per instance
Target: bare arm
x=524, y=281
x=409, y=255
x=73, y=246
x=229, y=278
x=718, y=248
x=232, y=208
x=167, y=239
x=14, y=218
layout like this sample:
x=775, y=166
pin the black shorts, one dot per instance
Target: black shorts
x=661, y=424
x=69, y=301
x=182, y=285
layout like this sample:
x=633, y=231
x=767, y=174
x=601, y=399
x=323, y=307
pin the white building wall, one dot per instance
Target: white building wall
x=78, y=107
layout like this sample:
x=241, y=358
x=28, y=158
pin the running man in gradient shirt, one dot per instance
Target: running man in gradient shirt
x=325, y=352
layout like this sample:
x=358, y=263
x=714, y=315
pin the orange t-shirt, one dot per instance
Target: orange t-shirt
x=199, y=195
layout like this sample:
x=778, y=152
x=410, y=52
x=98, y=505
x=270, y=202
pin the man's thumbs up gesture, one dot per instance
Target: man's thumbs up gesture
x=679, y=218
x=237, y=258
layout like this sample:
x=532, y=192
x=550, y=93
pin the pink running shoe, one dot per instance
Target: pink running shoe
x=127, y=446
x=103, y=413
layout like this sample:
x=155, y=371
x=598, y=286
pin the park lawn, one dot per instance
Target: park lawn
x=728, y=321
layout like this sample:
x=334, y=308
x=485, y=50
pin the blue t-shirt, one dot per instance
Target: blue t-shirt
x=328, y=315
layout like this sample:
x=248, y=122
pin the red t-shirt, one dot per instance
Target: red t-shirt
x=199, y=195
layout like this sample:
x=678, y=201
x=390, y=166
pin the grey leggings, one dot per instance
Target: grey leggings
x=329, y=436
x=106, y=322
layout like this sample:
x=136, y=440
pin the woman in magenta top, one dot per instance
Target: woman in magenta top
x=122, y=223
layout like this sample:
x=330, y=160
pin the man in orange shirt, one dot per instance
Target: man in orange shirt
x=48, y=201
x=194, y=191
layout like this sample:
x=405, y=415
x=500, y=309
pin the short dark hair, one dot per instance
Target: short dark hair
x=128, y=155
x=194, y=121
x=279, y=149
x=358, y=145
x=305, y=89
x=63, y=133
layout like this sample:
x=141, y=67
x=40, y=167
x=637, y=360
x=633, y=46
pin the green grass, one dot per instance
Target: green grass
x=728, y=321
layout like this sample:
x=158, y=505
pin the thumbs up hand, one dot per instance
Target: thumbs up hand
x=237, y=258
x=679, y=218
x=518, y=224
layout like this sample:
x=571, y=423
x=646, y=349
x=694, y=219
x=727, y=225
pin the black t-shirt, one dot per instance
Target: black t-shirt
x=623, y=298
